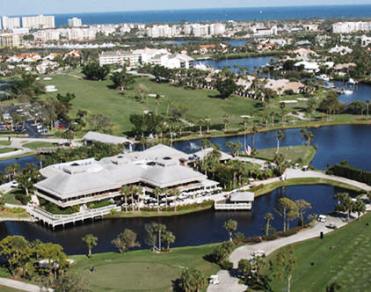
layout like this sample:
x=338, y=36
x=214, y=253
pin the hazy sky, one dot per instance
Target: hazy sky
x=11, y=7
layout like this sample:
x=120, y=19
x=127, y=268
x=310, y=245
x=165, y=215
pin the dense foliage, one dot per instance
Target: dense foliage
x=344, y=169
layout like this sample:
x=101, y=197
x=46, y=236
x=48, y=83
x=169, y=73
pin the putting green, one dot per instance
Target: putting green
x=129, y=277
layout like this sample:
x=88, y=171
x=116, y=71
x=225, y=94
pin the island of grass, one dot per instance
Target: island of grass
x=37, y=145
x=7, y=150
x=261, y=190
x=303, y=154
x=142, y=270
x=342, y=257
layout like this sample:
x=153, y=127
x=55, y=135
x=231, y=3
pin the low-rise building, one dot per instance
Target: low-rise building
x=351, y=26
x=89, y=180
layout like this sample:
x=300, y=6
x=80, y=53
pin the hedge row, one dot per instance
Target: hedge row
x=350, y=172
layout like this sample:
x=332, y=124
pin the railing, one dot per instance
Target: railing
x=56, y=220
x=241, y=206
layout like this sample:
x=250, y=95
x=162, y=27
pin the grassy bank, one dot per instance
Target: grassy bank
x=342, y=257
x=163, y=213
x=142, y=270
x=262, y=190
x=294, y=153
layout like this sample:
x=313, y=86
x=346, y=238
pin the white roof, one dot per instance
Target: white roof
x=204, y=152
x=155, y=167
x=107, y=139
x=242, y=197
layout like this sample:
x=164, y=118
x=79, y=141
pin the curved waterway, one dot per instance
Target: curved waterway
x=334, y=143
x=192, y=229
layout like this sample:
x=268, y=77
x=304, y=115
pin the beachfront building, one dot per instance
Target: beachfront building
x=160, y=167
x=351, y=26
x=38, y=22
x=74, y=22
x=10, y=23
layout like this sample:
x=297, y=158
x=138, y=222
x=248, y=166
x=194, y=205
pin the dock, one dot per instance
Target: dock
x=54, y=220
x=237, y=201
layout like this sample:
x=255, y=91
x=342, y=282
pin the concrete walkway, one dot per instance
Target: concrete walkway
x=21, y=285
x=292, y=173
x=230, y=284
x=297, y=173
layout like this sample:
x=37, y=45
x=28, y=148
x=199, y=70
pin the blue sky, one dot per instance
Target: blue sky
x=17, y=7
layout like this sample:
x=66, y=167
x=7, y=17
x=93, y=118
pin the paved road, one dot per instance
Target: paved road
x=20, y=285
x=291, y=173
x=229, y=283
x=297, y=173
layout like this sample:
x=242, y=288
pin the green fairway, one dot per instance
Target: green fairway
x=7, y=150
x=343, y=257
x=36, y=145
x=96, y=97
x=293, y=153
x=141, y=270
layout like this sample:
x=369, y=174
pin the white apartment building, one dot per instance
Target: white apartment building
x=162, y=31
x=117, y=58
x=204, y=30
x=265, y=31
x=74, y=22
x=349, y=27
x=38, y=22
x=10, y=40
x=9, y=23
x=47, y=35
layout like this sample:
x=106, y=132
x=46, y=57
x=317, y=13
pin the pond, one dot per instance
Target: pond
x=359, y=92
x=334, y=144
x=252, y=64
x=192, y=229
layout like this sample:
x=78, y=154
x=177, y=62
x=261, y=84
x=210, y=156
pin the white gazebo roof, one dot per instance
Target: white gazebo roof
x=106, y=139
x=242, y=197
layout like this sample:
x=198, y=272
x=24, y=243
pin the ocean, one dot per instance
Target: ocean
x=237, y=14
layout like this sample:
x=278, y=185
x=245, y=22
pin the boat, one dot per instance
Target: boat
x=347, y=92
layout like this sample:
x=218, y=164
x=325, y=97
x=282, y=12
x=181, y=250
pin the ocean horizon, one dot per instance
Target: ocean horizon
x=221, y=14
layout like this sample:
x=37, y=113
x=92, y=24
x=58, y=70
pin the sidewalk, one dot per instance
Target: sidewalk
x=231, y=284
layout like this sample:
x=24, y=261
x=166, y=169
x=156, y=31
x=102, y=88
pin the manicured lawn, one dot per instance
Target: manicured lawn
x=293, y=153
x=4, y=143
x=36, y=145
x=343, y=257
x=7, y=150
x=7, y=289
x=141, y=270
x=96, y=97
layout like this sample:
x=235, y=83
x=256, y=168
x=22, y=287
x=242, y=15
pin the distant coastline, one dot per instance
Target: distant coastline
x=222, y=14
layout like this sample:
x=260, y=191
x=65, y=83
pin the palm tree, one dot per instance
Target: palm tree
x=268, y=219
x=175, y=193
x=226, y=120
x=231, y=226
x=307, y=135
x=90, y=241
x=280, y=137
x=158, y=192
x=282, y=107
x=169, y=238
x=125, y=192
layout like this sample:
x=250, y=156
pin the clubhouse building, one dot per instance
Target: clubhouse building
x=159, y=167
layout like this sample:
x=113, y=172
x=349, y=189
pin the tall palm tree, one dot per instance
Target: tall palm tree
x=125, y=192
x=280, y=137
x=158, y=192
x=268, y=219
